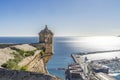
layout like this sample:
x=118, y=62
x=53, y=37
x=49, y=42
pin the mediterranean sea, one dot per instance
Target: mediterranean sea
x=65, y=46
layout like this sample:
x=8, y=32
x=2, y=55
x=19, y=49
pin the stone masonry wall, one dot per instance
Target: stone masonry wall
x=34, y=63
x=23, y=75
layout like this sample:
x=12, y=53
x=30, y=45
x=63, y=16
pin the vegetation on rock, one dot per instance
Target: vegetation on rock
x=18, y=56
x=42, y=53
x=24, y=68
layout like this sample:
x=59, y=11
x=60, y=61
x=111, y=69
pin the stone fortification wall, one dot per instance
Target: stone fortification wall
x=34, y=63
x=23, y=75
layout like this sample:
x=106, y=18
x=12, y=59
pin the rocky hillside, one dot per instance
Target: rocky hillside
x=34, y=63
x=5, y=55
x=15, y=60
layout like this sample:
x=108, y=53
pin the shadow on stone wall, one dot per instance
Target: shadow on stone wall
x=23, y=75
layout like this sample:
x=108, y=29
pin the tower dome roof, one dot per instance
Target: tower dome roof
x=46, y=31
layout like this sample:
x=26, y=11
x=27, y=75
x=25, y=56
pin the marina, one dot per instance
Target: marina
x=90, y=68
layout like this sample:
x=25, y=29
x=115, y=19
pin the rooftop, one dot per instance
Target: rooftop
x=46, y=31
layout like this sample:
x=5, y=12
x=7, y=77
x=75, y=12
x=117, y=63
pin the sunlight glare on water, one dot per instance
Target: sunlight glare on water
x=98, y=42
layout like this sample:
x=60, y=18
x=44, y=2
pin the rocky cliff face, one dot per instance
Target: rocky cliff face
x=34, y=64
x=23, y=75
x=5, y=55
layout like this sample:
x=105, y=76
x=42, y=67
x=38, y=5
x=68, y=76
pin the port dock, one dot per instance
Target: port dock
x=82, y=70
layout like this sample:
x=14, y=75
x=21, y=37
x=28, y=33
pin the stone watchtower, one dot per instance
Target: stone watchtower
x=46, y=37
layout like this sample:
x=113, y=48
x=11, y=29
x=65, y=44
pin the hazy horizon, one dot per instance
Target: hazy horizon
x=59, y=36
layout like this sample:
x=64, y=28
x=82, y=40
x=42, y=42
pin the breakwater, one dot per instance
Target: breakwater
x=87, y=71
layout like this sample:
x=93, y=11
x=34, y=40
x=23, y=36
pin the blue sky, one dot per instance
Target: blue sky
x=64, y=17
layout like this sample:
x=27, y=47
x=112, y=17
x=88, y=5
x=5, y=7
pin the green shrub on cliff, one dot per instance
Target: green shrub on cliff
x=24, y=53
x=24, y=68
x=42, y=53
x=11, y=64
x=18, y=56
x=28, y=53
x=4, y=65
